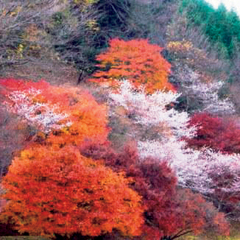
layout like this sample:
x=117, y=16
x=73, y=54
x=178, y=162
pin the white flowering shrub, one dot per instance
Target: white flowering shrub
x=152, y=109
x=203, y=95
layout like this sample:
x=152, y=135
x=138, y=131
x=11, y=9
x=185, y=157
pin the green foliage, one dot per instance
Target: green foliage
x=220, y=26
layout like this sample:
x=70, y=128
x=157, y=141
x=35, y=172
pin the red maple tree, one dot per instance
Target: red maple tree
x=216, y=133
x=170, y=212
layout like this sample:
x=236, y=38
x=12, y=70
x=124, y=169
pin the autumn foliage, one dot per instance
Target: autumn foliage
x=216, y=133
x=70, y=113
x=136, y=60
x=51, y=188
x=64, y=170
x=170, y=212
x=69, y=180
x=61, y=192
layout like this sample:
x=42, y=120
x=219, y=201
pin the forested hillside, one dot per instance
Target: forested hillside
x=119, y=119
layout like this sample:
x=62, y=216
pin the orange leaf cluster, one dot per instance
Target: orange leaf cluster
x=81, y=116
x=137, y=61
x=61, y=192
x=88, y=118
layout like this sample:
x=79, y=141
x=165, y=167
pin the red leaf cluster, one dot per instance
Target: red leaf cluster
x=170, y=212
x=216, y=133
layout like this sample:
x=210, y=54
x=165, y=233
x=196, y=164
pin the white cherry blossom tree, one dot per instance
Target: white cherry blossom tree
x=211, y=173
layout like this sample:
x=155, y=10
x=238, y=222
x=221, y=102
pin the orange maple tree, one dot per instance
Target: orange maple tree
x=137, y=61
x=87, y=119
x=69, y=113
x=61, y=192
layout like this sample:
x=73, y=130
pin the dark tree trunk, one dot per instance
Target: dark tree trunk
x=81, y=77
